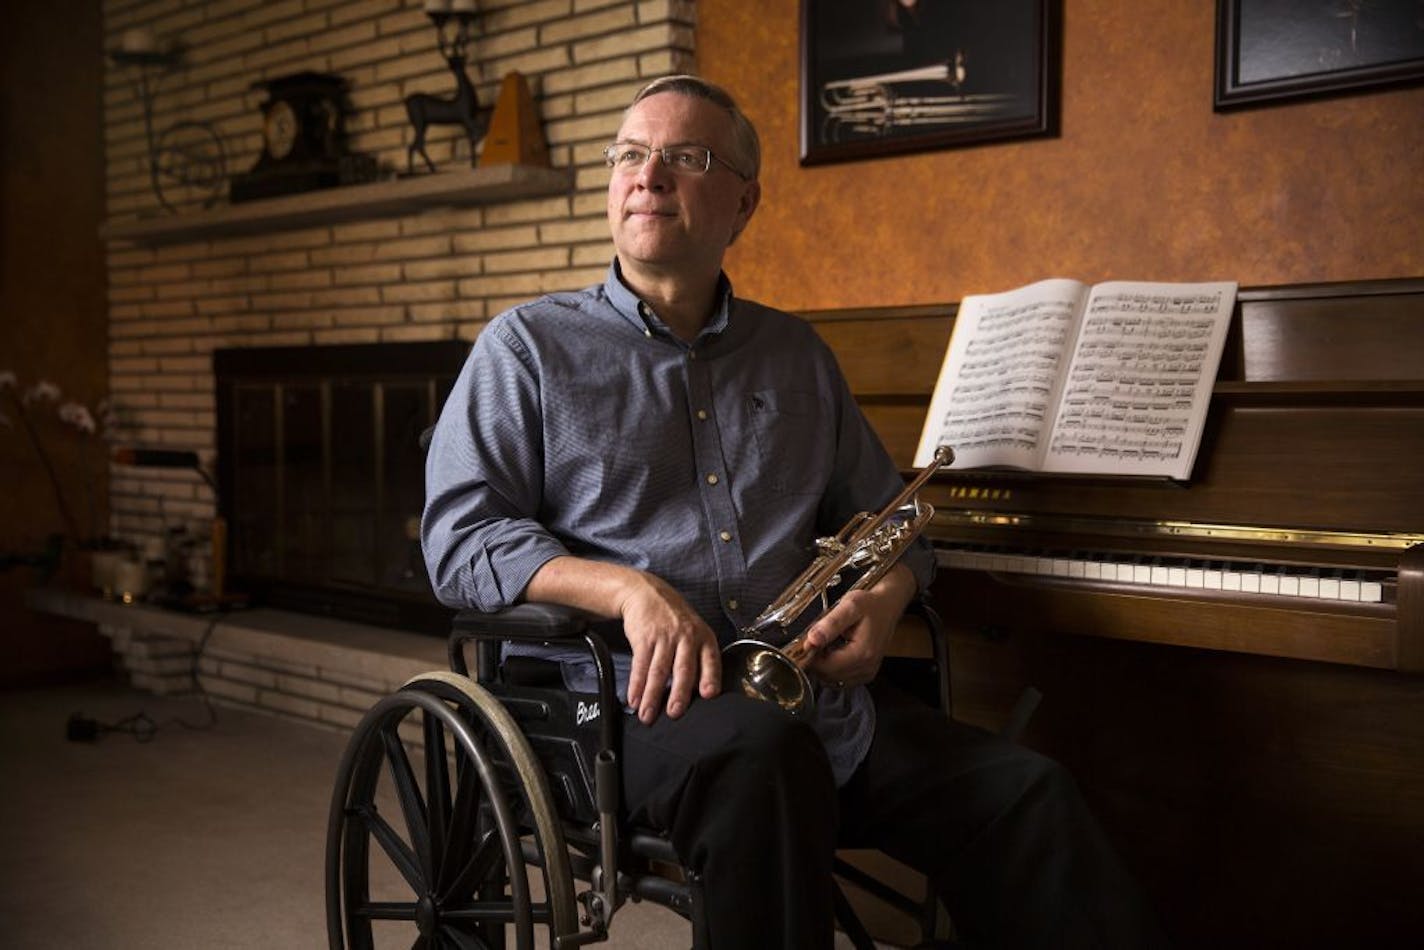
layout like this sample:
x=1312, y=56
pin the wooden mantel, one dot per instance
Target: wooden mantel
x=474, y=186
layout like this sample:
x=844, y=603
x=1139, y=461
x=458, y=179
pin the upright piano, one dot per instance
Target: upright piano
x=1231, y=665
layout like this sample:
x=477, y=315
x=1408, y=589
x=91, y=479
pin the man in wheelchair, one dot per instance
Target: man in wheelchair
x=660, y=453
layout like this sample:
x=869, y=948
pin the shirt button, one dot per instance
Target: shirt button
x=702, y=414
x=725, y=535
x=712, y=479
x=731, y=605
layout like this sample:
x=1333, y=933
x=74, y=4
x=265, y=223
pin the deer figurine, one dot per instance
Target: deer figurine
x=463, y=108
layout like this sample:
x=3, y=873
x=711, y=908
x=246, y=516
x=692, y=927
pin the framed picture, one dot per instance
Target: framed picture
x=1275, y=50
x=883, y=77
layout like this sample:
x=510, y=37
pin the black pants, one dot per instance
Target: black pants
x=746, y=797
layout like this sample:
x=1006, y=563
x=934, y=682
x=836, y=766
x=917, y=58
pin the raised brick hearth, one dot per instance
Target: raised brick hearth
x=311, y=668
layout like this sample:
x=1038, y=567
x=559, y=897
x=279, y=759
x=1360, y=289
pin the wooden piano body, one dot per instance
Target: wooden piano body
x=1232, y=667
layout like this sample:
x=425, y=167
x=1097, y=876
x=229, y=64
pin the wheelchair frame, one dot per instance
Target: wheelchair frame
x=535, y=785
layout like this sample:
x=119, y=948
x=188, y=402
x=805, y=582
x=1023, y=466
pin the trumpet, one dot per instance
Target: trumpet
x=869, y=544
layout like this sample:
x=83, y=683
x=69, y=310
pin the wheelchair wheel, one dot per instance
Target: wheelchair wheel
x=423, y=855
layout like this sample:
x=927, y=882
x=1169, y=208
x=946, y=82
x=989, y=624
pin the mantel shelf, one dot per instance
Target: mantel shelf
x=487, y=185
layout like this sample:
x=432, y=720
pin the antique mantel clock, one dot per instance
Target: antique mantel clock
x=303, y=138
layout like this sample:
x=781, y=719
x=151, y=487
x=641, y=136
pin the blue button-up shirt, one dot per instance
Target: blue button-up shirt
x=582, y=425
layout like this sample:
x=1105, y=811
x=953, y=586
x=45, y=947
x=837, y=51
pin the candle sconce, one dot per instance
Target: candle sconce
x=188, y=158
x=463, y=107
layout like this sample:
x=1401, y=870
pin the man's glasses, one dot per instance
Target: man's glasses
x=627, y=157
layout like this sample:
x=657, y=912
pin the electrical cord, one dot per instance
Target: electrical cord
x=141, y=725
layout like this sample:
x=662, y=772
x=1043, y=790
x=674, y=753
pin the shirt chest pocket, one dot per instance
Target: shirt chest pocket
x=794, y=433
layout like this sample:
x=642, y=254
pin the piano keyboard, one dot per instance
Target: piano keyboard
x=1272, y=579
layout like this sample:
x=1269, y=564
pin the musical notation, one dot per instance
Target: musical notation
x=1004, y=389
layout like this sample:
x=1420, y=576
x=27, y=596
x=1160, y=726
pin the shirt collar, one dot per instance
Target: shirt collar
x=641, y=316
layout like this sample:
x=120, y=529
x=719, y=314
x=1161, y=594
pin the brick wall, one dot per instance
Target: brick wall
x=434, y=275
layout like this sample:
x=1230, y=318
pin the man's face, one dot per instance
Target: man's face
x=667, y=222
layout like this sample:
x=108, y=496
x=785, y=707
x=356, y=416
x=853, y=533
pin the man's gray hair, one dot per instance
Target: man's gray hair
x=745, y=142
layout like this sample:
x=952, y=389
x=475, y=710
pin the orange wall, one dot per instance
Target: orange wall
x=1144, y=181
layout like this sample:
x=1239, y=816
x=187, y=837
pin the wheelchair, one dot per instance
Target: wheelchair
x=474, y=811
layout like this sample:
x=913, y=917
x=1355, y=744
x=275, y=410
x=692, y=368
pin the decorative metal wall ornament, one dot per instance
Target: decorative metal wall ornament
x=463, y=107
x=187, y=162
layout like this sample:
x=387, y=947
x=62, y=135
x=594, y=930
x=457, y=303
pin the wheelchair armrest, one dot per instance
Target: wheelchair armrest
x=537, y=623
x=521, y=622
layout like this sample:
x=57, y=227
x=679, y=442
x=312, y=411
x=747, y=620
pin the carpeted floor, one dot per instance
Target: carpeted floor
x=195, y=839
x=208, y=835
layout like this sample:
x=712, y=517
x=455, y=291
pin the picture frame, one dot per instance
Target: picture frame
x=1270, y=51
x=887, y=77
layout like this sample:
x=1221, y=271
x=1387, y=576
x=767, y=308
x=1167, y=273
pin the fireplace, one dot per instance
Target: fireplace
x=321, y=476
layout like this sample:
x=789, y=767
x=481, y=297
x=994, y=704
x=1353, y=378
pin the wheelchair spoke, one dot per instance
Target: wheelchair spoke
x=461, y=831
x=385, y=910
x=411, y=802
x=401, y=855
x=459, y=940
x=485, y=859
x=437, y=792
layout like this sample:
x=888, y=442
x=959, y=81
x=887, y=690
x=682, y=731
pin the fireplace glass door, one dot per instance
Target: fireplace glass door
x=322, y=475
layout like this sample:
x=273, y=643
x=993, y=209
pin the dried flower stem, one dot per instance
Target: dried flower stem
x=65, y=513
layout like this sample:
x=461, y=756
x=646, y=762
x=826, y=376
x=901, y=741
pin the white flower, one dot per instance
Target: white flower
x=44, y=389
x=78, y=416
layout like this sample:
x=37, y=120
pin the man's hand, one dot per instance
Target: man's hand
x=669, y=639
x=849, y=640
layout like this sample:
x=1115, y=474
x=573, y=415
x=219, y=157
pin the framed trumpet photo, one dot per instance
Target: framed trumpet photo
x=885, y=77
x=1270, y=51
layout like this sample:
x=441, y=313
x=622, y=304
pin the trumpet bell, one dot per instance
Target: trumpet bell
x=759, y=670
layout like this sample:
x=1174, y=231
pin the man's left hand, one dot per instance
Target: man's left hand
x=849, y=640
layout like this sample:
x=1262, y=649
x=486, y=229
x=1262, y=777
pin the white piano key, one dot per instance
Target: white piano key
x=1343, y=585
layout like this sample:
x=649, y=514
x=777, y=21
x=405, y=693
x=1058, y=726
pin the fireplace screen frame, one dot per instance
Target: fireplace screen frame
x=321, y=476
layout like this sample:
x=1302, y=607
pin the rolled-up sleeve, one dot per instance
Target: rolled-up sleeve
x=483, y=480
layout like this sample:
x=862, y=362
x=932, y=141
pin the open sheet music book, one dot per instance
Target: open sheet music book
x=1058, y=376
